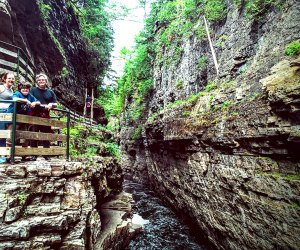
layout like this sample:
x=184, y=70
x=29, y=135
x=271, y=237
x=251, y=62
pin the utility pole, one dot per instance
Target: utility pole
x=92, y=105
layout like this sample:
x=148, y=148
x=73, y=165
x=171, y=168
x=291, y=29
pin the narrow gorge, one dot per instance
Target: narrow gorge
x=206, y=114
x=223, y=148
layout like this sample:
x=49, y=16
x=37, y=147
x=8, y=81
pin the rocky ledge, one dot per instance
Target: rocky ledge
x=54, y=204
x=117, y=225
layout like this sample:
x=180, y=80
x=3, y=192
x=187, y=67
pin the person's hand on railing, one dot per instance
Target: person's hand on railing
x=21, y=100
x=34, y=104
x=49, y=106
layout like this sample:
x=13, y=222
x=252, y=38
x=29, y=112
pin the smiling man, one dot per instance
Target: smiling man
x=48, y=101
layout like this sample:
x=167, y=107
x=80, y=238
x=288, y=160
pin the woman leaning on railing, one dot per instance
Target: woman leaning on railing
x=6, y=93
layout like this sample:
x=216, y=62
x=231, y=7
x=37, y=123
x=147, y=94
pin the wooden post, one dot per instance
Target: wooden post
x=211, y=47
x=18, y=64
x=84, y=109
x=92, y=105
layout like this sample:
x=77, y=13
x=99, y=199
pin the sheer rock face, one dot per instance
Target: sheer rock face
x=52, y=39
x=229, y=160
x=246, y=49
x=54, y=204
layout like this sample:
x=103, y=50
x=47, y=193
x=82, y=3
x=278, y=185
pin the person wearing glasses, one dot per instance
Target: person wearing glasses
x=6, y=94
x=48, y=101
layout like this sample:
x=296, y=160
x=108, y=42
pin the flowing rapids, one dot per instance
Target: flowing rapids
x=162, y=229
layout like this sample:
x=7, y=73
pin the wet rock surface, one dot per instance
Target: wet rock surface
x=117, y=227
x=234, y=170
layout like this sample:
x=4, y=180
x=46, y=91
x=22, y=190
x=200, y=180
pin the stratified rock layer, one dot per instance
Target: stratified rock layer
x=53, y=204
x=118, y=228
x=234, y=170
x=228, y=158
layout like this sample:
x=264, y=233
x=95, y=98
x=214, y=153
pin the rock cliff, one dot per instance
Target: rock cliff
x=227, y=155
x=55, y=204
x=49, y=33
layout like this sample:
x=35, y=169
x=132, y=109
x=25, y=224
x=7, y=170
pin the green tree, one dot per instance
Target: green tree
x=96, y=27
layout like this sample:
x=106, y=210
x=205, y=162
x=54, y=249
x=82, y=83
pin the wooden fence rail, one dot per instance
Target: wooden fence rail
x=80, y=118
x=14, y=59
x=14, y=135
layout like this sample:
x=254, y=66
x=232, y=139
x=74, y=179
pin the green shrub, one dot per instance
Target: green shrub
x=135, y=111
x=22, y=197
x=202, y=62
x=178, y=102
x=226, y=104
x=169, y=34
x=210, y=100
x=293, y=48
x=152, y=117
x=215, y=10
x=113, y=148
x=221, y=40
x=167, y=12
x=91, y=151
x=227, y=84
x=179, y=84
x=294, y=205
x=186, y=113
x=200, y=32
x=45, y=9
x=194, y=98
x=64, y=72
x=137, y=133
x=210, y=86
x=255, y=9
x=243, y=69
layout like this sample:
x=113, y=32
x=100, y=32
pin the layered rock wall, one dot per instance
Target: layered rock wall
x=54, y=204
x=228, y=157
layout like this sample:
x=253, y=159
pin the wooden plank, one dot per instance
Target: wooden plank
x=5, y=134
x=84, y=109
x=15, y=55
x=92, y=105
x=34, y=151
x=28, y=135
x=12, y=51
x=5, y=117
x=14, y=66
x=41, y=151
x=23, y=76
x=8, y=52
x=40, y=121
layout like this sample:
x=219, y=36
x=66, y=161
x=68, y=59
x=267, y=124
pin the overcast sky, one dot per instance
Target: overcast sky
x=125, y=31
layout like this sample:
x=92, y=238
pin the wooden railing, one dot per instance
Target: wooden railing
x=13, y=58
x=15, y=135
x=80, y=118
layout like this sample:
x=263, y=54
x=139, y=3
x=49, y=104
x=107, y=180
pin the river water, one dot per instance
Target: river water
x=161, y=228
